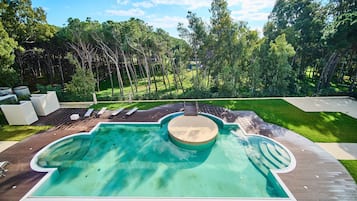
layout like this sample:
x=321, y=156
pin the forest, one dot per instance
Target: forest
x=307, y=48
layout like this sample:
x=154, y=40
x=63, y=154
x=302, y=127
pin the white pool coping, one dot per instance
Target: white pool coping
x=34, y=166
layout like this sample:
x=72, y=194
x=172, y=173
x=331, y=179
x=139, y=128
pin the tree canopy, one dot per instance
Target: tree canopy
x=308, y=48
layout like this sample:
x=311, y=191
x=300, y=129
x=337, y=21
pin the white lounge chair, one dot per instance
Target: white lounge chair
x=130, y=112
x=88, y=113
x=116, y=112
x=3, y=169
x=101, y=111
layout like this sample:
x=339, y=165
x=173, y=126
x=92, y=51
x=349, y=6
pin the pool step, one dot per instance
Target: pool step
x=282, y=156
x=267, y=153
x=267, y=156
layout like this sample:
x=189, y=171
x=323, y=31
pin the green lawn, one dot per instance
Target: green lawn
x=106, y=91
x=351, y=166
x=316, y=126
x=18, y=133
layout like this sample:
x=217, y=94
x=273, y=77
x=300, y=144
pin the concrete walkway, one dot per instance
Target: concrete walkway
x=341, y=151
x=6, y=144
x=342, y=104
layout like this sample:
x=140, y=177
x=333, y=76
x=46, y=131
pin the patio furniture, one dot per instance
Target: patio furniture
x=116, y=112
x=101, y=112
x=19, y=114
x=132, y=111
x=88, y=113
x=3, y=169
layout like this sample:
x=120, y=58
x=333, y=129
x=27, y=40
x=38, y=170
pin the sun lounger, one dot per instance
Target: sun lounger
x=88, y=113
x=3, y=169
x=130, y=112
x=116, y=112
x=101, y=111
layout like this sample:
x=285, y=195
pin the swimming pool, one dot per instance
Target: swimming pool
x=137, y=160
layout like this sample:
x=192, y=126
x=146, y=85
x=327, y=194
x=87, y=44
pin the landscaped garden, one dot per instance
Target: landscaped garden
x=214, y=58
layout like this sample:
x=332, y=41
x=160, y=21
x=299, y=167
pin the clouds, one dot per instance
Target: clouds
x=168, y=13
x=246, y=10
x=144, y=4
x=166, y=21
x=251, y=10
x=135, y=12
x=122, y=2
x=190, y=4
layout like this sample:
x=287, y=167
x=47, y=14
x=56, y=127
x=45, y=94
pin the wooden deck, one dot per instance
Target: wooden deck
x=317, y=176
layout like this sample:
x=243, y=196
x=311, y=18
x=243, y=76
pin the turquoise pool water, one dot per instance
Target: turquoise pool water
x=139, y=160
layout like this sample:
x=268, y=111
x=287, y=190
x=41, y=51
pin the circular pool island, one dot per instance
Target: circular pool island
x=192, y=130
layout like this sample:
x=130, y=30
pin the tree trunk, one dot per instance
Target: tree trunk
x=328, y=70
x=61, y=69
x=127, y=72
x=98, y=78
x=120, y=80
x=154, y=76
x=133, y=72
x=110, y=74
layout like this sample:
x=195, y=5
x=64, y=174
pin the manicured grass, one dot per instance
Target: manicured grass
x=317, y=126
x=18, y=133
x=351, y=166
x=106, y=91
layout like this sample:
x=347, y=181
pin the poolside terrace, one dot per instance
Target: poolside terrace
x=317, y=176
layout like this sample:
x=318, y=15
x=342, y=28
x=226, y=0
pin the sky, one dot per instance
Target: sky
x=165, y=14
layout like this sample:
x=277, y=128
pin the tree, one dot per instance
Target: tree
x=340, y=36
x=196, y=35
x=28, y=27
x=8, y=76
x=301, y=21
x=82, y=84
x=278, y=72
x=221, y=49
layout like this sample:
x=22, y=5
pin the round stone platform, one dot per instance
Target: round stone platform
x=193, y=130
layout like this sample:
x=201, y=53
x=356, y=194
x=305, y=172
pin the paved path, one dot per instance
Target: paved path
x=341, y=151
x=6, y=144
x=342, y=104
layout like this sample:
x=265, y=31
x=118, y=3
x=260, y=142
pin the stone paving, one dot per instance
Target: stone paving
x=342, y=104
